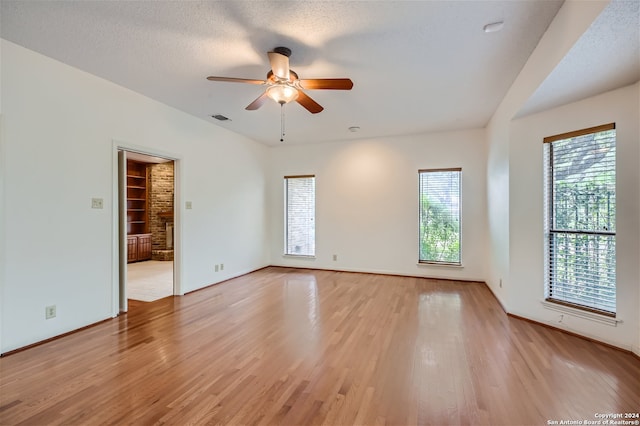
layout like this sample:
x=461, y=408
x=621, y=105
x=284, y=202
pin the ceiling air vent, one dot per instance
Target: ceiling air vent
x=220, y=117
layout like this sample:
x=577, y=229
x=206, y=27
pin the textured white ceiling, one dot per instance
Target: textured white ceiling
x=606, y=57
x=417, y=66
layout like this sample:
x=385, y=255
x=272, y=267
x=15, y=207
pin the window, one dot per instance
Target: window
x=580, y=219
x=300, y=232
x=440, y=216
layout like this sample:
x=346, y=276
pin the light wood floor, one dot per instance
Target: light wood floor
x=285, y=346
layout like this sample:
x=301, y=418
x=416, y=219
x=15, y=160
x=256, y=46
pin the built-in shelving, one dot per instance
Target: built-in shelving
x=139, y=238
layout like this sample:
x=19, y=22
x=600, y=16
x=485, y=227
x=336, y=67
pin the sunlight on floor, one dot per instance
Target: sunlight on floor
x=150, y=280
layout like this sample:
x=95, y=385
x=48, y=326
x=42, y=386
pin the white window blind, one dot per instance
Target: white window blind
x=300, y=238
x=581, y=219
x=440, y=216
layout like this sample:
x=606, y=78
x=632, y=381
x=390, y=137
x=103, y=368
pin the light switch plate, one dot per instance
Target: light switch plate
x=97, y=203
x=50, y=312
x=188, y=205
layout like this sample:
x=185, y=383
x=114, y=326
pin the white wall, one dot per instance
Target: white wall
x=526, y=207
x=2, y=221
x=514, y=184
x=571, y=21
x=636, y=348
x=367, y=201
x=497, y=277
x=58, y=129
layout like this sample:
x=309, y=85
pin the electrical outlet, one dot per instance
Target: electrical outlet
x=217, y=268
x=222, y=266
x=97, y=203
x=335, y=257
x=50, y=312
x=188, y=205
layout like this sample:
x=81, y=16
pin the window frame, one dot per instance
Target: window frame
x=549, y=222
x=286, y=215
x=421, y=261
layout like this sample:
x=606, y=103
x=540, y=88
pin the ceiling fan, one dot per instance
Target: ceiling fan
x=284, y=86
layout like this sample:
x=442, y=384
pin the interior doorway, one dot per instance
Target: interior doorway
x=146, y=185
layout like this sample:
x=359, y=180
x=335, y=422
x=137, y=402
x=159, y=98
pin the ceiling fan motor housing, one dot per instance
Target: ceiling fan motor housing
x=283, y=51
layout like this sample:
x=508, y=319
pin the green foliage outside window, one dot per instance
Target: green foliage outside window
x=581, y=215
x=440, y=216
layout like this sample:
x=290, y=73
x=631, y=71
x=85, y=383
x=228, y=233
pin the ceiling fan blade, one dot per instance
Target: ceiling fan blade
x=312, y=106
x=258, y=102
x=235, y=80
x=327, y=83
x=279, y=65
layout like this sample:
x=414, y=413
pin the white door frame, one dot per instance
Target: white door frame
x=178, y=288
x=2, y=225
x=123, y=247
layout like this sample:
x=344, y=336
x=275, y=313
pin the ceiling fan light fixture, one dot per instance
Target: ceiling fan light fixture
x=282, y=93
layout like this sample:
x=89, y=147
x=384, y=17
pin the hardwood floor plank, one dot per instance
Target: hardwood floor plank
x=288, y=346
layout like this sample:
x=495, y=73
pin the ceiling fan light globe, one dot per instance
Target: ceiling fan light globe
x=282, y=93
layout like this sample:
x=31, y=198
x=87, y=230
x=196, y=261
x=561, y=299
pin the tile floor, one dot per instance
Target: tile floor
x=150, y=280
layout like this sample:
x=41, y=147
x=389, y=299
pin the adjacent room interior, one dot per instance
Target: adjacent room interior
x=345, y=212
x=149, y=227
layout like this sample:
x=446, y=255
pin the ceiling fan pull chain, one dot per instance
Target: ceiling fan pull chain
x=282, y=122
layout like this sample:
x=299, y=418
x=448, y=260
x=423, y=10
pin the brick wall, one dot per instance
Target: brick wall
x=160, y=201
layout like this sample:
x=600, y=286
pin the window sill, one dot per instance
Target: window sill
x=441, y=265
x=299, y=256
x=592, y=316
